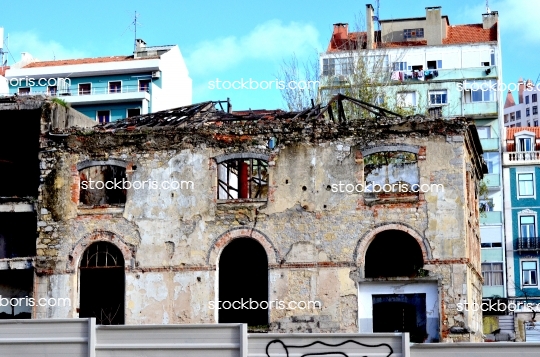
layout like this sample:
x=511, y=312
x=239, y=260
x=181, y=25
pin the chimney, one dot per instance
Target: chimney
x=490, y=19
x=340, y=36
x=369, y=26
x=140, y=45
x=521, y=89
x=434, y=23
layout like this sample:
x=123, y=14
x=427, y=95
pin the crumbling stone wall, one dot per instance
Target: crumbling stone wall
x=315, y=239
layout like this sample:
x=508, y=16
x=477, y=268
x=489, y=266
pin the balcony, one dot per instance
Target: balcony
x=528, y=244
x=492, y=181
x=517, y=158
x=100, y=95
x=491, y=218
x=490, y=144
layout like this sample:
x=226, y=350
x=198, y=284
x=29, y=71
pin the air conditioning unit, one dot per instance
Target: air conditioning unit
x=156, y=74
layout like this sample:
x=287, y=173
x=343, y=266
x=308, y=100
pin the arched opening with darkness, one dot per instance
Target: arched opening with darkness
x=393, y=253
x=243, y=275
x=102, y=284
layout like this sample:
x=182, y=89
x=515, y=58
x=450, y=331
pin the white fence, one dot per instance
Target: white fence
x=82, y=338
x=328, y=344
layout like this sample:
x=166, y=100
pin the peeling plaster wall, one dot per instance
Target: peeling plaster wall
x=315, y=238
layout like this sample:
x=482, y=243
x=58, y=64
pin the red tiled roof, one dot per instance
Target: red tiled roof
x=346, y=44
x=85, y=61
x=470, y=34
x=511, y=132
x=473, y=33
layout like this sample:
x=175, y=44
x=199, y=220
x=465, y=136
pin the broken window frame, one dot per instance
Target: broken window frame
x=112, y=194
x=234, y=190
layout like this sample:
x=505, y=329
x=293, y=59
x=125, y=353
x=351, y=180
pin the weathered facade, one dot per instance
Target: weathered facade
x=259, y=214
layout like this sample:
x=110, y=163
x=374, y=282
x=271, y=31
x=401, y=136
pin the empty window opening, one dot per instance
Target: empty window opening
x=437, y=64
x=103, y=116
x=93, y=185
x=17, y=235
x=393, y=253
x=133, y=112
x=243, y=274
x=19, y=162
x=16, y=284
x=401, y=313
x=243, y=179
x=398, y=170
x=102, y=284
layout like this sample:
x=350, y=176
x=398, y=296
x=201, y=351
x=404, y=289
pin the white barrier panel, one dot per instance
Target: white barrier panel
x=486, y=349
x=51, y=337
x=205, y=340
x=326, y=344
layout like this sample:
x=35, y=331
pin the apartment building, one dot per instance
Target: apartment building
x=521, y=166
x=429, y=66
x=525, y=112
x=105, y=89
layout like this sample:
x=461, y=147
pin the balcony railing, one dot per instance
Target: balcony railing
x=528, y=244
x=523, y=156
x=491, y=144
x=492, y=180
x=92, y=91
x=491, y=217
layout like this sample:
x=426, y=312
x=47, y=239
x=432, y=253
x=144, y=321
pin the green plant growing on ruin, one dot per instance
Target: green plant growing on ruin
x=60, y=102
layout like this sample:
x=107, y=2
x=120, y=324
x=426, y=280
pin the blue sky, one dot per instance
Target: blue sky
x=241, y=39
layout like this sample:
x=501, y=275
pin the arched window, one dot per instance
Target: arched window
x=102, y=284
x=243, y=178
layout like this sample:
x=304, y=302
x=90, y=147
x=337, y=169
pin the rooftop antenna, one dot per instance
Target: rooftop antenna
x=135, y=23
x=487, y=7
x=376, y=17
x=2, y=47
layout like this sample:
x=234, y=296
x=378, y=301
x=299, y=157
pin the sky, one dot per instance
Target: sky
x=229, y=41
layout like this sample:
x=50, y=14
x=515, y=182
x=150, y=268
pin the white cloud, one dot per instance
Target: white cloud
x=517, y=18
x=271, y=40
x=41, y=49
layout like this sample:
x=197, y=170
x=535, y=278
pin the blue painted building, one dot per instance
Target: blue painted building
x=521, y=172
x=109, y=88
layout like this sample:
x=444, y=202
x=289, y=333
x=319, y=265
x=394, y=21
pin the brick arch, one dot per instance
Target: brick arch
x=243, y=232
x=128, y=250
x=366, y=239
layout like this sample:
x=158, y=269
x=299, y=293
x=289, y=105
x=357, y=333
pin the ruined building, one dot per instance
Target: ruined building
x=262, y=209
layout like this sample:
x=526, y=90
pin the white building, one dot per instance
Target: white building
x=525, y=112
x=427, y=66
x=109, y=88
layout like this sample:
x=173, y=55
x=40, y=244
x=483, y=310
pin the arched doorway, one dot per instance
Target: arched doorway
x=393, y=253
x=102, y=284
x=243, y=275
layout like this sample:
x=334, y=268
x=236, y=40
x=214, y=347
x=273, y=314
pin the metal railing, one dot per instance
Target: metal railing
x=92, y=91
x=528, y=243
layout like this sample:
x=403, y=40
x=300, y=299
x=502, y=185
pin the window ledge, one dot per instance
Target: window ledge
x=16, y=263
x=243, y=200
x=105, y=209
